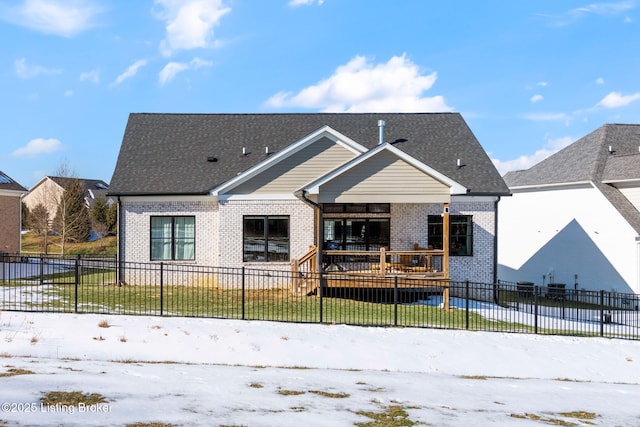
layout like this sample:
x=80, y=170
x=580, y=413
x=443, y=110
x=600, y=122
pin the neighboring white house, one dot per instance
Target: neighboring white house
x=574, y=217
x=257, y=190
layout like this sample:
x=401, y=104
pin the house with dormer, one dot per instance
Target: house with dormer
x=49, y=190
x=258, y=190
x=574, y=218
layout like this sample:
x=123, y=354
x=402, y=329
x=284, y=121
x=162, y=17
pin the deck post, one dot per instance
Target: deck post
x=383, y=262
x=295, y=276
x=445, y=240
x=445, y=295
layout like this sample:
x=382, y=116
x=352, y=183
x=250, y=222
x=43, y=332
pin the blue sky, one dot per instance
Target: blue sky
x=529, y=76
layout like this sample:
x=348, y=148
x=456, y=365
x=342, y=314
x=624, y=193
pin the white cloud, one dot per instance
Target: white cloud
x=38, y=146
x=600, y=9
x=603, y=8
x=616, y=99
x=296, y=3
x=542, y=84
x=64, y=18
x=25, y=71
x=130, y=72
x=525, y=162
x=92, y=76
x=360, y=86
x=536, y=98
x=172, y=69
x=68, y=92
x=599, y=81
x=189, y=23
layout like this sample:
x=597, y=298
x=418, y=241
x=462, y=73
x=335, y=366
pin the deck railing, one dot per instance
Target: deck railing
x=426, y=262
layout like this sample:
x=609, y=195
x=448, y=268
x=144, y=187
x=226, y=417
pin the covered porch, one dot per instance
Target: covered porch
x=354, y=220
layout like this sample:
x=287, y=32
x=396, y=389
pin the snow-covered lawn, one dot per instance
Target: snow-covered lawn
x=186, y=371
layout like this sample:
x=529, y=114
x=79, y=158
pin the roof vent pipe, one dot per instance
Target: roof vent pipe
x=381, y=124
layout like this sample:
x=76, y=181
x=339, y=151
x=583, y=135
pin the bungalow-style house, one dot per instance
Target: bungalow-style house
x=258, y=190
x=48, y=191
x=574, y=218
x=11, y=214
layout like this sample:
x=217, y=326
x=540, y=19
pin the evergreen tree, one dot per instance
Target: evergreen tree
x=99, y=215
x=24, y=225
x=112, y=217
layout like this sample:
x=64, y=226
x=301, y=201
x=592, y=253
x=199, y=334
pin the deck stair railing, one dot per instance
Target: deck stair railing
x=303, y=272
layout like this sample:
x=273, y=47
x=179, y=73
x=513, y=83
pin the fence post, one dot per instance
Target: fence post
x=5, y=269
x=602, y=312
x=242, y=294
x=395, y=300
x=320, y=292
x=535, y=308
x=41, y=269
x=161, y=288
x=76, y=283
x=466, y=304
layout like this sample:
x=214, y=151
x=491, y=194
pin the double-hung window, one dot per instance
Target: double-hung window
x=265, y=238
x=460, y=234
x=173, y=238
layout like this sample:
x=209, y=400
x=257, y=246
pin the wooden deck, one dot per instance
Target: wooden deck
x=353, y=272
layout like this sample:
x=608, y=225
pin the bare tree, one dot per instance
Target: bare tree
x=40, y=225
x=72, y=221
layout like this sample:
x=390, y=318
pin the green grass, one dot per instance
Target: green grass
x=31, y=244
x=98, y=293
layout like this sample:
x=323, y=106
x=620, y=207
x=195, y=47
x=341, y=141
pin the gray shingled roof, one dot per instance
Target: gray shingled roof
x=97, y=186
x=610, y=153
x=587, y=159
x=167, y=153
x=7, y=183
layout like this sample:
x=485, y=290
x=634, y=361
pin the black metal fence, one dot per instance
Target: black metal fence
x=100, y=285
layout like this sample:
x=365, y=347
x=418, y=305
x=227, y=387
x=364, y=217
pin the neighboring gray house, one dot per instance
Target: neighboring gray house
x=257, y=190
x=574, y=217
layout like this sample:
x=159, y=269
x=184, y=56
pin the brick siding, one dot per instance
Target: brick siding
x=10, y=224
x=219, y=231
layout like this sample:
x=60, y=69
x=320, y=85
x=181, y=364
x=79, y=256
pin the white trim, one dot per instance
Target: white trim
x=552, y=186
x=462, y=199
x=228, y=197
x=622, y=181
x=313, y=188
x=323, y=132
x=165, y=199
x=12, y=193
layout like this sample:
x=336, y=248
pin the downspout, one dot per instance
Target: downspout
x=495, y=242
x=20, y=216
x=302, y=195
x=119, y=246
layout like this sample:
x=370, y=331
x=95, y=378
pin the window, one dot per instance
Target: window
x=356, y=208
x=266, y=238
x=460, y=234
x=356, y=234
x=173, y=238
